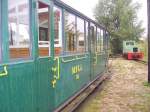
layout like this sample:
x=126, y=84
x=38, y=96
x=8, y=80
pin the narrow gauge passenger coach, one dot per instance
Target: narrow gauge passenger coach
x=48, y=53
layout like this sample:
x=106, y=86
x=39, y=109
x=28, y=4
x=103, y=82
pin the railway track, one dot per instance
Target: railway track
x=141, y=61
x=74, y=102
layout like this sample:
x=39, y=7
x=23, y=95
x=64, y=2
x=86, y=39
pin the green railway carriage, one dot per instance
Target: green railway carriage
x=48, y=53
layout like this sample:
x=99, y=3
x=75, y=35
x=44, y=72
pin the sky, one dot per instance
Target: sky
x=87, y=6
x=142, y=14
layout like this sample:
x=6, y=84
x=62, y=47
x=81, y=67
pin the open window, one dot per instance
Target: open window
x=44, y=29
x=19, y=28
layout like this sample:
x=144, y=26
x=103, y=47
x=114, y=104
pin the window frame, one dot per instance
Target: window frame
x=30, y=57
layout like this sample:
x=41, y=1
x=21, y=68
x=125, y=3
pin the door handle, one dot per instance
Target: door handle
x=5, y=72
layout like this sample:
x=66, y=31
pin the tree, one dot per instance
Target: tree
x=120, y=19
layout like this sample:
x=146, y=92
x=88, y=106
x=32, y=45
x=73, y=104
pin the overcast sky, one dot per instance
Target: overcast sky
x=87, y=7
x=142, y=14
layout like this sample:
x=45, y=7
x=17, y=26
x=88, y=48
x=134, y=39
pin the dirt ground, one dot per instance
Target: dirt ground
x=126, y=91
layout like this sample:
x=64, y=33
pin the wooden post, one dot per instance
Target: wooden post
x=148, y=13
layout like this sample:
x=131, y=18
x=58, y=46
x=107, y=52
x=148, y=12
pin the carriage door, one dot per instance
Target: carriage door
x=93, y=49
x=45, y=57
x=17, y=76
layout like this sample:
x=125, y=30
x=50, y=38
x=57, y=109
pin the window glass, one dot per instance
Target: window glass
x=130, y=43
x=93, y=37
x=95, y=40
x=19, y=31
x=58, y=30
x=70, y=32
x=102, y=40
x=105, y=40
x=44, y=30
x=87, y=28
x=98, y=40
x=135, y=49
x=0, y=32
x=80, y=35
x=127, y=43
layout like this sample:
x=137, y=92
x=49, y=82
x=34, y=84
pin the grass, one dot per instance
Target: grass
x=146, y=84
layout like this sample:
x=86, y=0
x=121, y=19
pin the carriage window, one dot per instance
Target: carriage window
x=70, y=32
x=19, y=31
x=93, y=37
x=127, y=43
x=80, y=35
x=44, y=29
x=130, y=43
x=98, y=40
x=102, y=40
x=0, y=32
x=107, y=40
x=87, y=31
x=95, y=42
x=58, y=30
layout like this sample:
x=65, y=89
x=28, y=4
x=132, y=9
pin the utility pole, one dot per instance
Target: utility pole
x=148, y=13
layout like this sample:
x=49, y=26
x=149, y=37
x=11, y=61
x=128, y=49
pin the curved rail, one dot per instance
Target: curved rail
x=142, y=62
